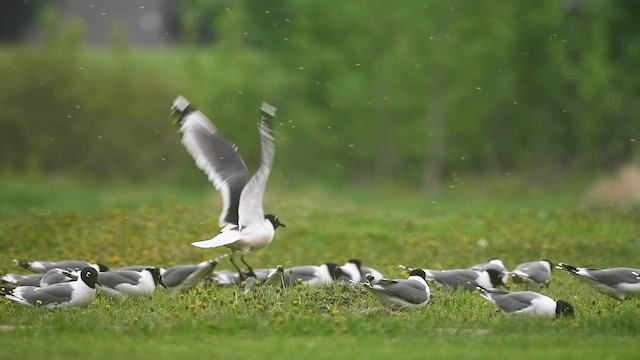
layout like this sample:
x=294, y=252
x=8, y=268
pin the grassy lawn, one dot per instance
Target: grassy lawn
x=124, y=224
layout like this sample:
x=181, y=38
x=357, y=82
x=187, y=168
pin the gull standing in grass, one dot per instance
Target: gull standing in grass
x=245, y=225
x=619, y=283
x=73, y=265
x=76, y=293
x=129, y=283
x=526, y=303
x=535, y=273
x=406, y=293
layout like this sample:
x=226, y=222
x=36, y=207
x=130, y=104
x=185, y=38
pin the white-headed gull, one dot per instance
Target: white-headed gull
x=526, y=303
x=619, y=283
x=76, y=293
x=245, y=225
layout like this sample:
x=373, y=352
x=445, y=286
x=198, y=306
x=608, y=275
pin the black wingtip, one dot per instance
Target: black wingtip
x=267, y=110
x=567, y=267
x=22, y=263
x=180, y=107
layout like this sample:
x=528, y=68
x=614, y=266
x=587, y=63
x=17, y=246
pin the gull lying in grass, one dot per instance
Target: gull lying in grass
x=462, y=278
x=324, y=274
x=245, y=225
x=129, y=283
x=76, y=293
x=619, y=283
x=52, y=276
x=401, y=293
x=351, y=272
x=526, y=303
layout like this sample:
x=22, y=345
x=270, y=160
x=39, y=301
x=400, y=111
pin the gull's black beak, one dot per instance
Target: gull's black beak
x=162, y=283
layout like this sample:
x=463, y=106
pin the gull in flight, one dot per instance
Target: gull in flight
x=245, y=226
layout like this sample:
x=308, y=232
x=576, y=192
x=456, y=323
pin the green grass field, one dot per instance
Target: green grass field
x=125, y=224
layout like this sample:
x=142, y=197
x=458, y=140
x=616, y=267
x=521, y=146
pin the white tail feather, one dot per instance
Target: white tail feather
x=224, y=238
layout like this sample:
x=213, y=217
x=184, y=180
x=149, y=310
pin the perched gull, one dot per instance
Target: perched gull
x=182, y=278
x=245, y=225
x=619, y=283
x=410, y=293
x=129, y=283
x=462, y=278
x=77, y=293
x=534, y=273
x=43, y=266
x=526, y=303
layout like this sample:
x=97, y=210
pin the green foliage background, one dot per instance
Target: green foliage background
x=412, y=91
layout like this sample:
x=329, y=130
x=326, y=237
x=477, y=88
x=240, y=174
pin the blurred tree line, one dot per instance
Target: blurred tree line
x=410, y=91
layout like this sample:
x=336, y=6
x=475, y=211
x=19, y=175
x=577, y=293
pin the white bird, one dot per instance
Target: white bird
x=129, y=283
x=182, y=278
x=402, y=293
x=526, y=303
x=462, y=278
x=73, y=265
x=535, y=273
x=619, y=283
x=77, y=293
x=245, y=226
